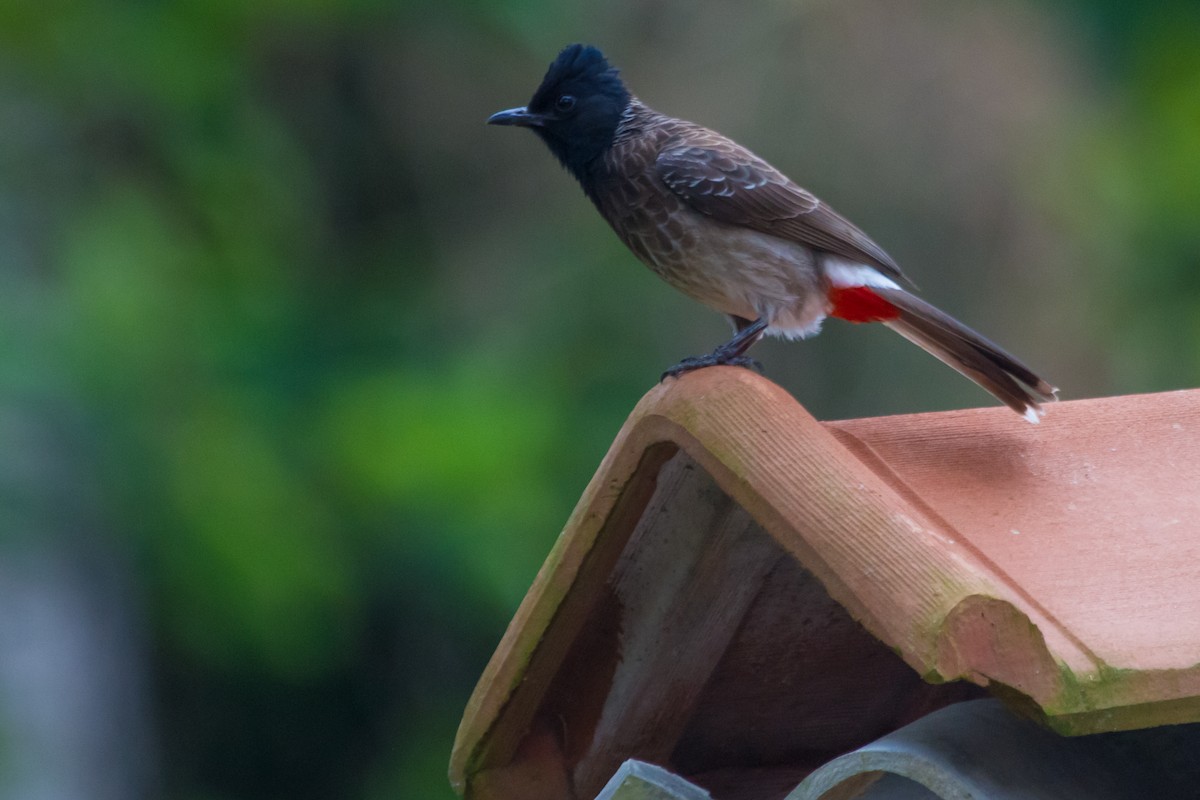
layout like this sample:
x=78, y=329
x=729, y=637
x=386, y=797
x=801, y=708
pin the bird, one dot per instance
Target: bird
x=729, y=230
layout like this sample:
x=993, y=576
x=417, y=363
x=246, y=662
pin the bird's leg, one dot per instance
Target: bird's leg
x=731, y=353
x=747, y=333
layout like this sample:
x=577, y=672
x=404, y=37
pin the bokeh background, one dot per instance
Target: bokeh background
x=302, y=367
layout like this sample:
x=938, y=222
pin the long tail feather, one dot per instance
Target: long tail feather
x=944, y=337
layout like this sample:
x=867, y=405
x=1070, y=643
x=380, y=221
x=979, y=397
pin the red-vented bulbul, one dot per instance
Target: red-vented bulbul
x=726, y=228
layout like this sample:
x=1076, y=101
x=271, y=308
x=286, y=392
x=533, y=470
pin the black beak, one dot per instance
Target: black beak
x=521, y=117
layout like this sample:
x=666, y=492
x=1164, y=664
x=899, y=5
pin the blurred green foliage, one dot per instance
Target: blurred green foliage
x=336, y=361
x=1144, y=162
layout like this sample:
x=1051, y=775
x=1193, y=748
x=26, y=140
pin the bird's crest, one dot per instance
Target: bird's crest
x=578, y=107
x=582, y=70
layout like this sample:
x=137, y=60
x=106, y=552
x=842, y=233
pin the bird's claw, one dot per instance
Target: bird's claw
x=711, y=360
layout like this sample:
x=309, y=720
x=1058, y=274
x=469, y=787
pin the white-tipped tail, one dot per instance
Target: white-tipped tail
x=973, y=356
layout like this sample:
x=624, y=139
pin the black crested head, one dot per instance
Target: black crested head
x=576, y=110
x=581, y=100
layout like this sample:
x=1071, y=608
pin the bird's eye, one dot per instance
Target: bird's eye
x=565, y=103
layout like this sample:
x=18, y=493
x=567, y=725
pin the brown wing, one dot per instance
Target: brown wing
x=725, y=181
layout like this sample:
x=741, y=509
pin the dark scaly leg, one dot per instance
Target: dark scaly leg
x=731, y=353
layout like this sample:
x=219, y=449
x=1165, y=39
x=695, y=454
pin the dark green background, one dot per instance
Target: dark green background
x=302, y=367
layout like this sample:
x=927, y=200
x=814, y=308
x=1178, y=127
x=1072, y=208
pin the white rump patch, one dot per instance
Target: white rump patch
x=844, y=274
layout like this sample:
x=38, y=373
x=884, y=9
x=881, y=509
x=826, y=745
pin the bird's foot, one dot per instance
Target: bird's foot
x=712, y=359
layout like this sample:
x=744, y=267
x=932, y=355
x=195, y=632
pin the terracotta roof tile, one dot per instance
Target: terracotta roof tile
x=1057, y=564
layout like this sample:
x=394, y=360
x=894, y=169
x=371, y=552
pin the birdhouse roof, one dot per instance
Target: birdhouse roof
x=731, y=553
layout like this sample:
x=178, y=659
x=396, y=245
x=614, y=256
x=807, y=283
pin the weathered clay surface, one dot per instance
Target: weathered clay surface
x=1058, y=565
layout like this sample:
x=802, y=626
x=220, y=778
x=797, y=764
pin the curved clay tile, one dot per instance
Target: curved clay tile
x=744, y=593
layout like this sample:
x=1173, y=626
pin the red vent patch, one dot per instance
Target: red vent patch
x=860, y=304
